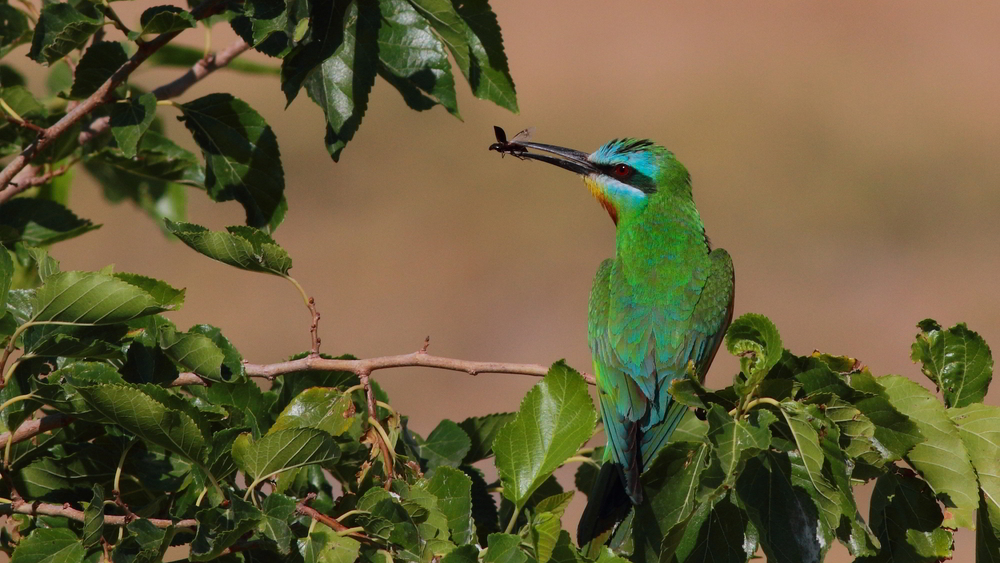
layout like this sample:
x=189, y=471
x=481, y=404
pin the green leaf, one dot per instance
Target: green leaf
x=717, y=533
x=185, y=57
x=413, y=59
x=14, y=30
x=907, y=520
x=93, y=518
x=453, y=490
x=324, y=408
x=130, y=119
x=504, y=548
x=163, y=19
x=135, y=411
x=894, y=431
x=471, y=32
x=218, y=529
x=145, y=543
x=340, y=85
x=232, y=362
x=39, y=222
x=62, y=28
x=6, y=277
x=672, y=486
x=242, y=161
x=446, y=445
x=195, y=352
x=91, y=342
x=49, y=545
x=556, y=418
x=278, y=512
x=484, y=506
x=95, y=299
x=158, y=159
x=942, y=459
x=324, y=546
x=784, y=515
x=979, y=431
x=735, y=441
x=482, y=430
x=95, y=67
x=281, y=450
x=957, y=360
x=755, y=339
x=987, y=534
x=245, y=248
x=463, y=554
x=249, y=405
x=45, y=264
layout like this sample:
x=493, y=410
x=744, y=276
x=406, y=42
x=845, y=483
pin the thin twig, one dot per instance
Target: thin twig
x=103, y=95
x=304, y=509
x=65, y=511
x=31, y=428
x=364, y=367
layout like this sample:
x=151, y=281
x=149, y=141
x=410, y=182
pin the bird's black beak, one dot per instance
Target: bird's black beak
x=573, y=160
x=568, y=159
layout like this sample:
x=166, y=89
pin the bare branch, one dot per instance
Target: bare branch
x=417, y=359
x=98, y=98
x=66, y=511
x=32, y=428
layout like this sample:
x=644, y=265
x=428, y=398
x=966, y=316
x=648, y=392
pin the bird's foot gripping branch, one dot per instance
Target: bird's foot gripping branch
x=125, y=435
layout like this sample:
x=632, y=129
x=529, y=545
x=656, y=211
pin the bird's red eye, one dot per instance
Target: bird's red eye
x=622, y=170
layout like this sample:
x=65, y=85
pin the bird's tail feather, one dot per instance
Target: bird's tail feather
x=607, y=506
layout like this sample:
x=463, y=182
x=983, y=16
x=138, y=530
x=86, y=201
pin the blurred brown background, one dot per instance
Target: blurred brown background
x=846, y=154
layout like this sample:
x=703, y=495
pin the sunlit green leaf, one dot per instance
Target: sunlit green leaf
x=49, y=545
x=957, y=360
x=942, y=459
x=556, y=417
x=95, y=299
x=281, y=450
x=245, y=248
x=93, y=518
x=163, y=19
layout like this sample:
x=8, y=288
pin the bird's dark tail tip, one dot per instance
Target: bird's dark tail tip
x=607, y=506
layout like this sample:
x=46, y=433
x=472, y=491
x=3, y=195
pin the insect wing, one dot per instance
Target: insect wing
x=523, y=135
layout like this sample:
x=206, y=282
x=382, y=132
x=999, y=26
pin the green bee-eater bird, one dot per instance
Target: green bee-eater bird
x=663, y=302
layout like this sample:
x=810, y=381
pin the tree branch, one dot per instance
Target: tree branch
x=98, y=98
x=32, y=428
x=66, y=511
x=417, y=359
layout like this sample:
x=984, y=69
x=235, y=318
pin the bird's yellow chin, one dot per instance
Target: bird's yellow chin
x=602, y=197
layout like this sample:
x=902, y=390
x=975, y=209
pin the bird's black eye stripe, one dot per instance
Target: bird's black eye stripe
x=636, y=179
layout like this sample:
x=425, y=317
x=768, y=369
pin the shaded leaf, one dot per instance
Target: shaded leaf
x=130, y=119
x=95, y=67
x=220, y=528
x=717, y=533
x=93, y=518
x=555, y=418
x=784, y=515
x=62, y=28
x=907, y=520
x=942, y=459
x=245, y=248
x=957, y=360
x=242, y=160
x=195, y=352
x=735, y=441
x=145, y=543
x=135, y=411
x=482, y=431
x=14, y=30
x=39, y=222
x=446, y=445
x=278, y=512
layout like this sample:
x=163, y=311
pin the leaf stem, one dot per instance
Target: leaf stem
x=755, y=402
x=581, y=459
x=513, y=520
x=311, y=306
